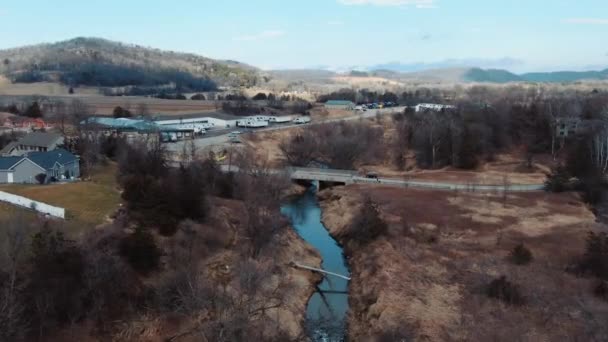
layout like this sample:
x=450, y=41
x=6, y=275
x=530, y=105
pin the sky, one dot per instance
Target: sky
x=519, y=35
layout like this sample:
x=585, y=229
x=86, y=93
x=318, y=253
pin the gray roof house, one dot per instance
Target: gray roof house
x=58, y=164
x=33, y=142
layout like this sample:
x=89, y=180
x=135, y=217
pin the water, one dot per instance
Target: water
x=327, y=308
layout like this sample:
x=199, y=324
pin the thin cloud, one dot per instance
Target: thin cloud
x=264, y=35
x=587, y=21
x=417, y=3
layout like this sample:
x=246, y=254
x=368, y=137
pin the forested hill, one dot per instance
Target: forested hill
x=503, y=76
x=104, y=63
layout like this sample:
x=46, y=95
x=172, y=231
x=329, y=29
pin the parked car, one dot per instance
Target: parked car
x=301, y=120
x=371, y=175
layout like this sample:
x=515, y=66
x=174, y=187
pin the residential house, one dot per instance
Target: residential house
x=339, y=105
x=58, y=164
x=21, y=124
x=567, y=127
x=33, y=142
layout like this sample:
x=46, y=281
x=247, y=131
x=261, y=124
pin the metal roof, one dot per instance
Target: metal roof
x=339, y=103
x=136, y=125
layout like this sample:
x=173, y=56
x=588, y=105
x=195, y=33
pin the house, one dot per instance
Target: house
x=339, y=105
x=566, y=127
x=33, y=142
x=21, y=124
x=19, y=170
x=58, y=164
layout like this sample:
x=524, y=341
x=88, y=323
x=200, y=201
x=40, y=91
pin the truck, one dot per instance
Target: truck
x=302, y=120
x=252, y=123
x=280, y=119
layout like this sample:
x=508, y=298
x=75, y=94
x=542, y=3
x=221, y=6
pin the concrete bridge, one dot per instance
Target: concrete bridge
x=352, y=177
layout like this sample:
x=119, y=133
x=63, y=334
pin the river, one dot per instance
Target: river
x=327, y=308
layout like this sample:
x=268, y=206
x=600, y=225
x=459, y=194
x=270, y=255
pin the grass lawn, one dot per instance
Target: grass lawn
x=87, y=203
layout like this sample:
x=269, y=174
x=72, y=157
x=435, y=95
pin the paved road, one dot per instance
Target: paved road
x=219, y=137
x=352, y=177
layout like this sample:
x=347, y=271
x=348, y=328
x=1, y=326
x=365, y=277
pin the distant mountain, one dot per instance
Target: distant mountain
x=503, y=76
x=302, y=75
x=104, y=63
x=491, y=76
x=469, y=70
x=499, y=63
x=565, y=76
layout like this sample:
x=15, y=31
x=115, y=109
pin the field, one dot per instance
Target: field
x=104, y=105
x=87, y=203
x=429, y=274
x=41, y=88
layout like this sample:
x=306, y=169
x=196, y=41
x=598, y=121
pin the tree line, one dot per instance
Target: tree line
x=171, y=227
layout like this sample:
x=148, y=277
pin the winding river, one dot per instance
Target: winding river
x=327, y=308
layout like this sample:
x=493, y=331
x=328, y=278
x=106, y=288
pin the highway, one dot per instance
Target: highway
x=220, y=136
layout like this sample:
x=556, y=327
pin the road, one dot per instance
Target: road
x=220, y=137
x=352, y=177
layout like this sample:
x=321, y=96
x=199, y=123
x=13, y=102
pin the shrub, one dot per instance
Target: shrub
x=505, y=291
x=140, y=251
x=558, y=180
x=120, y=112
x=41, y=178
x=592, y=189
x=521, y=255
x=367, y=225
x=601, y=290
x=260, y=97
x=595, y=259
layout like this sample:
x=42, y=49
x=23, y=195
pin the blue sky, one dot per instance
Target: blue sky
x=531, y=34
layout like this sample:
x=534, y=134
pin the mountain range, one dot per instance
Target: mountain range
x=103, y=63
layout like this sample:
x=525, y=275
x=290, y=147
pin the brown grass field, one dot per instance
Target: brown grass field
x=435, y=288
x=87, y=203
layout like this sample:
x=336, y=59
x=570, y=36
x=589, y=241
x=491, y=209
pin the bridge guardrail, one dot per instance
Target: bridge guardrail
x=451, y=186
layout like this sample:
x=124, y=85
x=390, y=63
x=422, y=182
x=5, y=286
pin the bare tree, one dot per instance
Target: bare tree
x=430, y=128
x=301, y=149
x=261, y=190
x=142, y=110
x=14, y=240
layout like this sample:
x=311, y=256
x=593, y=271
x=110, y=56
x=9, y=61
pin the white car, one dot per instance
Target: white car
x=301, y=120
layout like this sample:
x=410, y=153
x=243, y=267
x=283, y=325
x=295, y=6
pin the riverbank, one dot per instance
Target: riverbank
x=426, y=278
x=326, y=309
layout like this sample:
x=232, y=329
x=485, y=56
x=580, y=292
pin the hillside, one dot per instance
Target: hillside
x=442, y=75
x=104, y=63
x=491, y=76
x=566, y=76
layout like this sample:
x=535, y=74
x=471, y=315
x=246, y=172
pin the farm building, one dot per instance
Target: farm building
x=137, y=130
x=339, y=105
x=58, y=164
x=206, y=120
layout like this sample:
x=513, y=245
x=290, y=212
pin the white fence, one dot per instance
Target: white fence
x=31, y=204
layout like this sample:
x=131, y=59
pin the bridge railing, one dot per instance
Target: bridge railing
x=323, y=171
x=451, y=186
